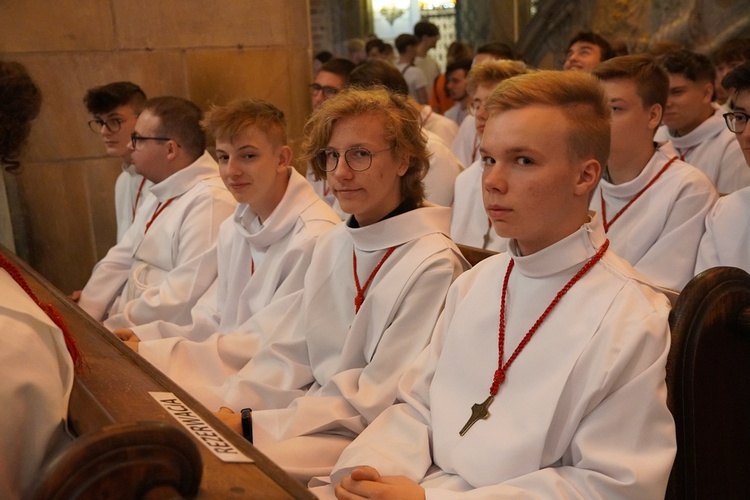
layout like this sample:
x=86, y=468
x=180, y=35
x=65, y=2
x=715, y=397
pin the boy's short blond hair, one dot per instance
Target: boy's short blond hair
x=226, y=122
x=493, y=72
x=577, y=94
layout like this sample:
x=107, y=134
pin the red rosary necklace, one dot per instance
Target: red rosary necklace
x=361, y=289
x=480, y=410
x=159, y=209
x=50, y=310
x=607, y=224
x=138, y=197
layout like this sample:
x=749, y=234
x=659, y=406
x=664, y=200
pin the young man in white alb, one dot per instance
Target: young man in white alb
x=727, y=236
x=545, y=375
x=263, y=251
x=695, y=126
x=652, y=204
x=115, y=108
x=167, y=259
x=470, y=224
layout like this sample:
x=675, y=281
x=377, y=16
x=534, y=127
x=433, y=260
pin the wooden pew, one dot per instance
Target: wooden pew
x=114, y=392
x=708, y=385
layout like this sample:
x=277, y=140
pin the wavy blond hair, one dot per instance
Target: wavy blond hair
x=403, y=131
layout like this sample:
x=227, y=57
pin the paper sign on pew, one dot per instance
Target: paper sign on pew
x=196, y=426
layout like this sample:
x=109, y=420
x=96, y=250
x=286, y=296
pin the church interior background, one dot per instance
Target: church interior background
x=61, y=204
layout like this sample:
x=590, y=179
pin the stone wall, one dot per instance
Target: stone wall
x=210, y=52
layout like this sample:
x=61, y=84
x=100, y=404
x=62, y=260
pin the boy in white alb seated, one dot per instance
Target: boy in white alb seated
x=372, y=294
x=727, y=237
x=263, y=250
x=545, y=375
x=470, y=224
x=695, y=126
x=651, y=203
x=167, y=258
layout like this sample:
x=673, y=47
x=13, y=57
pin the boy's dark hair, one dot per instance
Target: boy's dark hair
x=339, y=66
x=102, y=100
x=404, y=41
x=20, y=102
x=323, y=56
x=596, y=39
x=425, y=28
x=732, y=51
x=374, y=43
x=739, y=78
x=376, y=73
x=498, y=49
x=691, y=65
x=180, y=120
x=461, y=63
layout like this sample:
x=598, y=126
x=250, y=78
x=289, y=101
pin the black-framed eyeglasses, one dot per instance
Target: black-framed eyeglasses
x=328, y=92
x=736, y=121
x=112, y=124
x=358, y=158
x=135, y=139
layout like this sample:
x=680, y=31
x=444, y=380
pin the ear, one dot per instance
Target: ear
x=588, y=177
x=285, y=156
x=403, y=166
x=172, y=149
x=708, y=92
x=655, y=113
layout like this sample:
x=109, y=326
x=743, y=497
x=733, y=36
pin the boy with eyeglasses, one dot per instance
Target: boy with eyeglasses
x=469, y=222
x=115, y=108
x=263, y=251
x=727, y=236
x=166, y=260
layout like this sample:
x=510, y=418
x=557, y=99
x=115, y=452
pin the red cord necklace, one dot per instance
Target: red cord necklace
x=480, y=410
x=138, y=197
x=159, y=209
x=50, y=310
x=687, y=152
x=361, y=289
x=607, y=224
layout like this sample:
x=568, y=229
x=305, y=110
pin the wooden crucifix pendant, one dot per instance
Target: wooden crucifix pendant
x=478, y=411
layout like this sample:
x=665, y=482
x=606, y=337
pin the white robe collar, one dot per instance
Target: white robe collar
x=707, y=130
x=183, y=180
x=395, y=231
x=298, y=194
x=571, y=251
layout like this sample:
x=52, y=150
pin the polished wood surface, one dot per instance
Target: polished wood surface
x=708, y=386
x=114, y=387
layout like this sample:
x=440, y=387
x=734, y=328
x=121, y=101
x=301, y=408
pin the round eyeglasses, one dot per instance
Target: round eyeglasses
x=358, y=158
x=112, y=124
x=736, y=121
x=475, y=105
